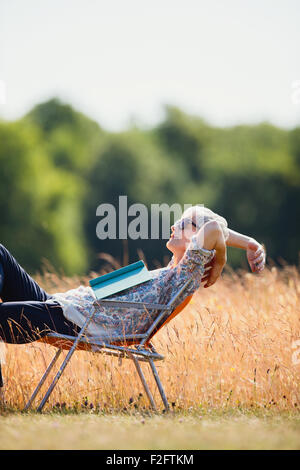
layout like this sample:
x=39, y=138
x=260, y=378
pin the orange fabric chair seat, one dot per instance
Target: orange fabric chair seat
x=65, y=344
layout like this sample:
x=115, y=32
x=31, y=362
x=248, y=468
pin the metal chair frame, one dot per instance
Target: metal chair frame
x=141, y=349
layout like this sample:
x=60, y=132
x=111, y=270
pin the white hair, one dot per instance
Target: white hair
x=202, y=214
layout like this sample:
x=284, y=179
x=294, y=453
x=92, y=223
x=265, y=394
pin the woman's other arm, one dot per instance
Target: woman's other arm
x=237, y=240
x=256, y=253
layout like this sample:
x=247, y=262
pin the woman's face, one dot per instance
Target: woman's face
x=181, y=234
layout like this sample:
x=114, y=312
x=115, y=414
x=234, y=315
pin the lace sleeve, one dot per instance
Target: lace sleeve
x=195, y=257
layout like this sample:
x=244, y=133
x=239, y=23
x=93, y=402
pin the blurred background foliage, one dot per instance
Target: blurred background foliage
x=58, y=166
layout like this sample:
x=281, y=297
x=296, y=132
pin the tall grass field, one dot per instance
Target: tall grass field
x=231, y=374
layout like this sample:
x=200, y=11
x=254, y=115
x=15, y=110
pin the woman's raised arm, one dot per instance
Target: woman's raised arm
x=211, y=237
x=256, y=253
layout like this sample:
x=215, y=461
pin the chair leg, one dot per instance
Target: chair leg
x=143, y=380
x=2, y=401
x=159, y=385
x=58, y=375
x=28, y=404
x=1, y=378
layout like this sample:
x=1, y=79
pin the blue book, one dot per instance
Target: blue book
x=119, y=280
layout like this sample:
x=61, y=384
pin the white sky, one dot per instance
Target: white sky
x=228, y=61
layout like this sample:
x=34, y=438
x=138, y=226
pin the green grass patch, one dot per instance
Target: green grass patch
x=208, y=429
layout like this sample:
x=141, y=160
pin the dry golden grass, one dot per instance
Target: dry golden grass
x=232, y=347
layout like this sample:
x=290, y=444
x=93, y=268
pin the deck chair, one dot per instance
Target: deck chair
x=137, y=347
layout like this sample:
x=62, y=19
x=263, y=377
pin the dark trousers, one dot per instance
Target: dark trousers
x=24, y=314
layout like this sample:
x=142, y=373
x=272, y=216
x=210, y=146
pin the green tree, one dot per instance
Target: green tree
x=39, y=214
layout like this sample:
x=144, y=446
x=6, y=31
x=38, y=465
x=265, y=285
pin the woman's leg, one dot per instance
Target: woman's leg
x=15, y=283
x=24, y=315
x=24, y=322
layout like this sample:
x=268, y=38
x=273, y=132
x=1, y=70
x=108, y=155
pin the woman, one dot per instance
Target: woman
x=29, y=313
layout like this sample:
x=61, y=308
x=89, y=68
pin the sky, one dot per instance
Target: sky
x=122, y=61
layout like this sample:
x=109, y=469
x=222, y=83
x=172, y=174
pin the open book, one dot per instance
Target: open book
x=119, y=280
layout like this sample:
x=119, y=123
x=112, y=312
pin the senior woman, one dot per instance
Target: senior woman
x=28, y=312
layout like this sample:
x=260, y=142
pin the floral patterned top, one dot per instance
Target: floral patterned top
x=108, y=322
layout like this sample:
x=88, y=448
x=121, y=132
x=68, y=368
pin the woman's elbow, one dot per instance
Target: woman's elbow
x=213, y=236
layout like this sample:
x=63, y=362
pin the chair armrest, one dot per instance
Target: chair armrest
x=127, y=304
